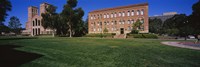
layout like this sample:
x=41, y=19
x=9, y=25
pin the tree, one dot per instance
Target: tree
x=105, y=30
x=136, y=27
x=5, y=6
x=155, y=25
x=4, y=28
x=194, y=19
x=176, y=25
x=50, y=19
x=72, y=16
x=15, y=25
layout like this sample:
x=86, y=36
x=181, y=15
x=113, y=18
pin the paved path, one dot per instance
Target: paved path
x=181, y=45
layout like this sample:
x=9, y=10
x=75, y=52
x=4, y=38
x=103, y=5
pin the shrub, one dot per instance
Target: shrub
x=100, y=35
x=142, y=36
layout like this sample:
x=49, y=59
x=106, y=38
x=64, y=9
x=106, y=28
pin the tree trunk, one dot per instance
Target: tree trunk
x=53, y=34
x=185, y=38
x=70, y=31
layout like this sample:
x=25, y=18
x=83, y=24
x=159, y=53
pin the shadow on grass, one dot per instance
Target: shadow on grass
x=16, y=38
x=10, y=57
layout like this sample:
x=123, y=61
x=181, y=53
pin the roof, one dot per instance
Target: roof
x=134, y=5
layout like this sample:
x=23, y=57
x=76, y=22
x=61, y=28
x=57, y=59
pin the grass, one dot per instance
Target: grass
x=97, y=52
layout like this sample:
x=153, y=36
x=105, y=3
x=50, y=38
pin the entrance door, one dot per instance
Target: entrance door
x=121, y=30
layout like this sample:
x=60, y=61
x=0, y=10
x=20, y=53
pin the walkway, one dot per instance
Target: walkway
x=189, y=45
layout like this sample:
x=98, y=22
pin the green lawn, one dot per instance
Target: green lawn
x=97, y=52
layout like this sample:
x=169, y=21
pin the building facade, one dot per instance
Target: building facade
x=34, y=24
x=119, y=20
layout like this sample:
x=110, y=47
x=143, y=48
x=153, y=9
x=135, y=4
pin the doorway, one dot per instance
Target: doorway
x=121, y=30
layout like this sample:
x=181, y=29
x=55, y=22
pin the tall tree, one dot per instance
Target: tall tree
x=73, y=16
x=15, y=25
x=50, y=19
x=194, y=19
x=177, y=25
x=5, y=6
x=155, y=25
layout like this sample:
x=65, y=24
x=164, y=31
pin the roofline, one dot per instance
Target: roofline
x=133, y=5
x=33, y=6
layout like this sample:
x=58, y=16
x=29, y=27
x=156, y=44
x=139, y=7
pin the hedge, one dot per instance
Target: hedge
x=142, y=36
x=100, y=35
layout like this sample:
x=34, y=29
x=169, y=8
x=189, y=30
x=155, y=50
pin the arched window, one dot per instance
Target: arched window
x=132, y=21
x=142, y=12
x=91, y=17
x=138, y=12
x=115, y=22
x=128, y=22
x=123, y=14
x=111, y=15
x=39, y=23
x=120, y=14
x=33, y=23
x=108, y=15
x=132, y=13
x=115, y=14
x=36, y=22
x=128, y=13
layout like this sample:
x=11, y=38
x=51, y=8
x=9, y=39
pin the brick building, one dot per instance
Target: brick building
x=119, y=20
x=34, y=24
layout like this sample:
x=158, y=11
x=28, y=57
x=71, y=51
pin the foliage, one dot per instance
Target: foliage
x=194, y=18
x=142, y=36
x=136, y=27
x=50, y=18
x=105, y=30
x=176, y=25
x=5, y=6
x=133, y=31
x=100, y=35
x=15, y=25
x=4, y=28
x=155, y=25
x=73, y=18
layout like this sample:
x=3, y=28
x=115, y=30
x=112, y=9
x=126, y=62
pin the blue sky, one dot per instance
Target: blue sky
x=156, y=7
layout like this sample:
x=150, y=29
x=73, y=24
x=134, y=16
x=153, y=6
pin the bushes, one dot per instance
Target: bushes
x=142, y=36
x=100, y=35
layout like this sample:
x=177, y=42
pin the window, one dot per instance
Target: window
x=108, y=23
x=119, y=13
x=132, y=13
x=132, y=21
x=120, y=22
x=128, y=13
x=115, y=22
x=138, y=12
x=123, y=14
x=123, y=21
x=112, y=22
x=91, y=17
x=104, y=16
x=128, y=22
x=33, y=23
x=142, y=21
x=115, y=14
x=107, y=15
x=111, y=15
x=38, y=22
x=129, y=28
x=94, y=17
x=142, y=12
